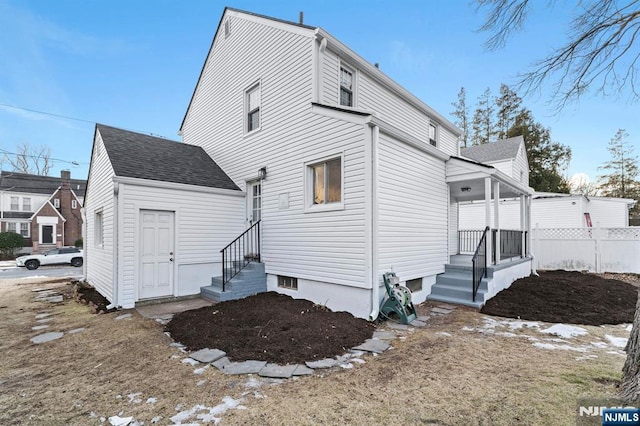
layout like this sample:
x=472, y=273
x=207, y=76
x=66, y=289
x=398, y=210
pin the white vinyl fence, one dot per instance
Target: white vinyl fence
x=587, y=249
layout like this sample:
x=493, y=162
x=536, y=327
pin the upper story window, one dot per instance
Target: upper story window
x=252, y=107
x=56, y=203
x=74, y=204
x=433, y=134
x=15, y=203
x=346, y=86
x=26, y=204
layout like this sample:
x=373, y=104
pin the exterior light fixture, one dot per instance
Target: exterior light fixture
x=465, y=189
x=262, y=173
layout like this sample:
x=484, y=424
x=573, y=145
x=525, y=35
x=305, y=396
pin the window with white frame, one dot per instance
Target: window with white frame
x=11, y=226
x=326, y=181
x=98, y=228
x=287, y=282
x=252, y=107
x=346, y=86
x=25, y=229
x=15, y=203
x=56, y=203
x=433, y=134
x=26, y=204
x=74, y=204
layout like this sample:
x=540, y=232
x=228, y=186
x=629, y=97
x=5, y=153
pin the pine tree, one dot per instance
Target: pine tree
x=509, y=105
x=482, y=124
x=622, y=180
x=547, y=159
x=461, y=113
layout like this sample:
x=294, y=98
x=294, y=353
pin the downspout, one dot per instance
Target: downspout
x=116, y=283
x=375, y=282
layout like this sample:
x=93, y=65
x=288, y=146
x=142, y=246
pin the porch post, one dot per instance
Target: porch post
x=523, y=224
x=487, y=216
x=496, y=218
x=528, y=228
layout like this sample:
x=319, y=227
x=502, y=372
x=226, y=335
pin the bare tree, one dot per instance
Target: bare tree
x=461, y=114
x=601, y=52
x=30, y=159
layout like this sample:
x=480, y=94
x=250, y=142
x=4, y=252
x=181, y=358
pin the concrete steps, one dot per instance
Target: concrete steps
x=454, y=286
x=250, y=280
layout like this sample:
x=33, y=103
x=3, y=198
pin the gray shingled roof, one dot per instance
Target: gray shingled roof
x=142, y=156
x=503, y=149
x=36, y=184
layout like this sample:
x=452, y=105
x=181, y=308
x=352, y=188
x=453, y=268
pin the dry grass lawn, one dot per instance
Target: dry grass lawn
x=114, y=367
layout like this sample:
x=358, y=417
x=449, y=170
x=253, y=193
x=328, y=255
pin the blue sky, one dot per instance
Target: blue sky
x=134, y=65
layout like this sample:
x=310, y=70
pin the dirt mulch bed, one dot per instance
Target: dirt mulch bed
x=566, y=297
x=270, y=327
x=88, y=295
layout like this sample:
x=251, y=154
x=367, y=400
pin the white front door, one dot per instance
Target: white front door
x=156, y=253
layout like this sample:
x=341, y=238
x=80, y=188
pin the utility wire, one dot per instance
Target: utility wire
x=75, y=163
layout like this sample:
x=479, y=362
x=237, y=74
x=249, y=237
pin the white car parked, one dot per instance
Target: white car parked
x=57, y=256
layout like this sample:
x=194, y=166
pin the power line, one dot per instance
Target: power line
x=75, y=163
x=47, y=113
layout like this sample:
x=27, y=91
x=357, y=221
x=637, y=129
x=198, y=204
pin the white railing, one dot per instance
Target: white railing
x=587, y=249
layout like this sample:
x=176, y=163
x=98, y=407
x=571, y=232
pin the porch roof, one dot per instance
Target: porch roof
x=466, y=180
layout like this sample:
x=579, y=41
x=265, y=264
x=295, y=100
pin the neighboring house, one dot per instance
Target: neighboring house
x=328, y=172
x=548, y=210
x=45, y=210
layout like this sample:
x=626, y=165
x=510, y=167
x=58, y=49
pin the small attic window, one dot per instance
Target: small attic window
x=227, y=29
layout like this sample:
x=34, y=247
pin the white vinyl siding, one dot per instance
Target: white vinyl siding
x=413, y=204
x=521, y=166
x=204, y=224
x=607, y=213
x=99, y=260
x=327, y=246
x=371, y=96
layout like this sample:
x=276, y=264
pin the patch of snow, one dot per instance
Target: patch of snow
x=517, y=325
x=133, y=397
x=556, y=340
x=443, y=334
x=346, y=365
x=200, y=370
x=252, y=383
x=201, y=382
x=618, y=342
x=629, y=327
x=600, y=345
x=211, y=413
x=467, y=328
x=190, y=361
x=566, y=331
x=358, y=361
x=616, y=353
x=120, y=421
x=152, y=400
x=586, y=357
x=551, y=346
x=156, y=419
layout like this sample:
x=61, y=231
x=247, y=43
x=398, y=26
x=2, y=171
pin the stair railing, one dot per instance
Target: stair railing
x=479, y=262
x=240, y=252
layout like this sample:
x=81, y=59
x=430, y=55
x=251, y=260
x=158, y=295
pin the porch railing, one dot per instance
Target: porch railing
x=479, y=262
x=240, y=252
x=510, y=243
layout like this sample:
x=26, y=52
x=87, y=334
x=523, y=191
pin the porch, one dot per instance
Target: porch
x=483, y=262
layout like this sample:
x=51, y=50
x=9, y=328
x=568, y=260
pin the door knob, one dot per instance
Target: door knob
x=171, y=259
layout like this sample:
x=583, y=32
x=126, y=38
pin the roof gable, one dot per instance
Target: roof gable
x=142, y=156
x=504, y=149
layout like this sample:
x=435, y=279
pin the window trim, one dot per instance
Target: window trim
x=282, y=282
x=309, y=206
x=98, y=231
x=257, y=85
x=28, y=229
x=56, y=203
x=436, y=132
x=17, y=204
x=354, y=85
x=23, y=204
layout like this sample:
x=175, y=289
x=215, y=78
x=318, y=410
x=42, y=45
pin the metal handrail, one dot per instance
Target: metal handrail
x=479, y=262
x=240, y=252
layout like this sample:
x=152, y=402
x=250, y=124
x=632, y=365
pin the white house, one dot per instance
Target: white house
x=548, y=210
x=335, y=173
